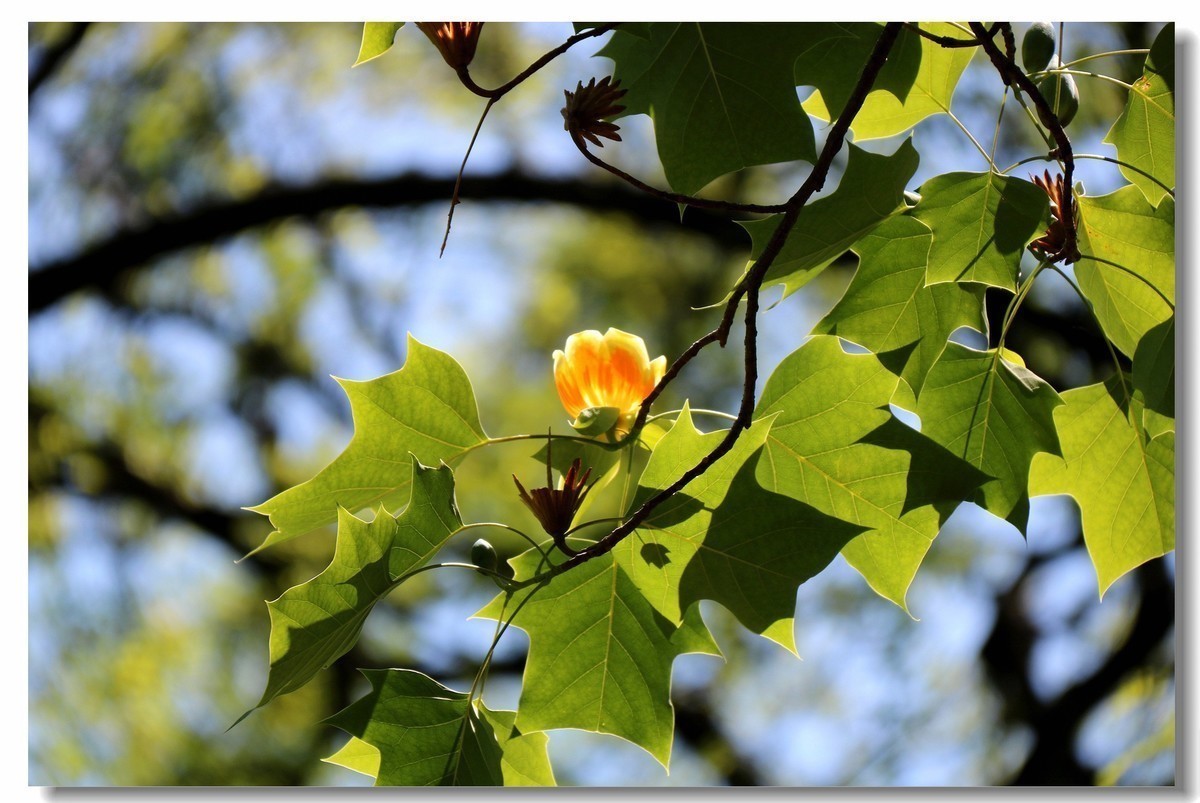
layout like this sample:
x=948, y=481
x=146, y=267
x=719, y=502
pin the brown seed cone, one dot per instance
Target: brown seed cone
x=1052, y=246
x=587, y=105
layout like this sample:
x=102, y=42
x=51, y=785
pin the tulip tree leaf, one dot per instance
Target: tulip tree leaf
x=1144, y=134
x=377, y=39
x=1127, y=271
x=427, y=408
x=835, y=445
x=889, y=309
x=871, y=190
x=315, y=623
x=981, y=223
x=358, y=756
x=722, y=96
x=599, y=654
x=900, y=98
x=1154, y=375
x=1122, y=480
x=424, y=734
x=724, y=537
x=994, y=414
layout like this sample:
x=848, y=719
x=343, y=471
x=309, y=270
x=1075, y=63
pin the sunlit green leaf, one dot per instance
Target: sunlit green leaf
x=1128, y=267
x=900, y=100
x=377, y=39
x=722, y=95
x=426, y=408
x=599, y=654
x=981, y=223
x=1123, y=482
x=835, y=445
x=1144, y=134
x=724, y=537
x=889, y=309
x=429, y=735
x=358, y=756
x=995, y=415
x=871, y=189
x=316, y=622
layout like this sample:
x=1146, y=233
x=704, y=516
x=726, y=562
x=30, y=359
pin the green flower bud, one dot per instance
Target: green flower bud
x=483, y=555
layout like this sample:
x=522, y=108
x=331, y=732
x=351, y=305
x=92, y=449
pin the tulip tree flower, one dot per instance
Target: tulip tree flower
x=602, y=380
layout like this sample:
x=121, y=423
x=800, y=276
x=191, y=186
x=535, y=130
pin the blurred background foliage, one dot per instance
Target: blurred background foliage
x=222, y=216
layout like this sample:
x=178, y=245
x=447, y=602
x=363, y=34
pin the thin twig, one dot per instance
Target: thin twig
x=674, y=197
x=748, y=287
x=458, y=179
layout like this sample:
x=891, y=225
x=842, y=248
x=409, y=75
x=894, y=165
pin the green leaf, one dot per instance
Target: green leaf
x=358, y=756
x=599, y=654
x=724, y=537
x=1128, y=267
x=524, y=760
x=429, y=735
x=995, y=415
x=835, y=445
x=377, y=39
x=722, y=95
x=900, y=99
x=315, y=623
x=1154, y=376
x=981, y=223
x=426, y=408
x=1123, y=482
x=1144, y=134
x=871, y=190
x=889, y=309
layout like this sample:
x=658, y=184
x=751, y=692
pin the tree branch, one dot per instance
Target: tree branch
x=55, y=55
x=103, y=264
x=1012, y=75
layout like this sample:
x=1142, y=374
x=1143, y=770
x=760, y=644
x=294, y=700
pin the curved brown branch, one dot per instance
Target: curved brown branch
x=949, y=41
x=748, y=288
x=464, y=73
x=1012, y=75
x=104, y=265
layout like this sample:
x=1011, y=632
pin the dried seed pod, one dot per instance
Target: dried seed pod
x=587, y=105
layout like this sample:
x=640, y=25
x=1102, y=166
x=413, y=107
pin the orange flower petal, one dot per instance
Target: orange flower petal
x=609, y=370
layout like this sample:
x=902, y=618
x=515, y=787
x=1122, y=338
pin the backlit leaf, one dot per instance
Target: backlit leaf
x=1128, y=267
x=1154, y=376
x=315, y=623
x=900, y=100
x=428, y=735
x=1144, y=134
x=426, y=408
x=722, y=96
x=981, y=223
x=377, y=39
x=889, y=309
x=871, y=190
x=1123, y=482
x=835, y=445
x=994, y=414
x=724, y=537
x=599, y=654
